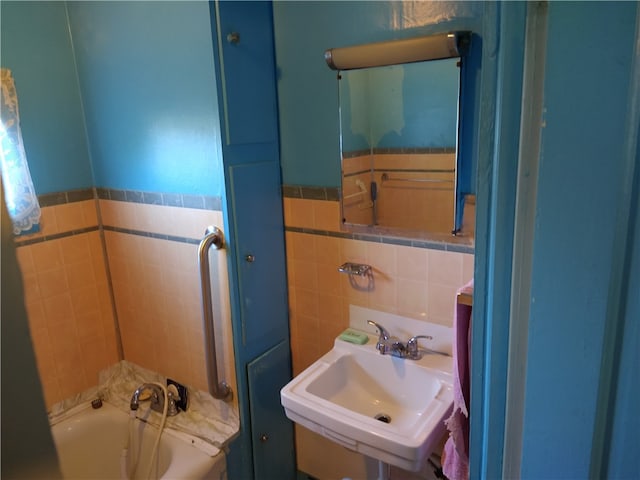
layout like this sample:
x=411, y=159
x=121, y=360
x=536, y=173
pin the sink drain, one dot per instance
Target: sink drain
x=383, y=417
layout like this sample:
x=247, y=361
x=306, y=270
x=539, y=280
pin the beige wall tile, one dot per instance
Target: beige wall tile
x=80, y=274
x=36, y=315
x=58, y=309
x=412, y=298
x=467, y=267
x=307, y=304
x=52, y=282
x=157, y=294
x=328, y=251
x=301, y=211
x=442, y=300
x=303, y=246
x=385, y=294
x=75, y=248
x=48, y=221
x=305, y=274
x=31, y=287
x=445, y=268
x=25, y=260
x=66, y=304
x=412, y=263
x=70, y=216
x=382, y=257
x=286, y=210
x=46, y=255
x=328, y=279
x=326, y=215
x=403, y=276
x=330, y=311
x=353, y=251
x=109, y=212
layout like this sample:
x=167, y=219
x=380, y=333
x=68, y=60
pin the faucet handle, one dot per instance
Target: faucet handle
x=384, y=334
x=412, y=345
x=172, y=408
x=383, y=339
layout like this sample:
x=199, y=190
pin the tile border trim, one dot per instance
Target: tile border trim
x=397, y=150
x=157, y=236
x=182, y=200
x=45, y=238
x=67, y=196
x=311, y=193
x=405, y=242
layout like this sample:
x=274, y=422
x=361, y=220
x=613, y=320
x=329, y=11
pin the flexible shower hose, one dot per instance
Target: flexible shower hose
x=124, y=474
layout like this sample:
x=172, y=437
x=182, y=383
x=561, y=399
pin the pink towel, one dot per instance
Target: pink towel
x=455, y=463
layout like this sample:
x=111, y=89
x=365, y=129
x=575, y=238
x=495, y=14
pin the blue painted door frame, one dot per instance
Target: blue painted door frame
x=582, y=351
x=497, y=151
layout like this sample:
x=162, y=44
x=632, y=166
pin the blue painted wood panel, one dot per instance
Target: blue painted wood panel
x=271, y=435
x=254, y=220
x=257, y=207
x=248, y=76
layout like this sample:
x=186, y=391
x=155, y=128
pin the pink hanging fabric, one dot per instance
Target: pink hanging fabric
x=455, y=461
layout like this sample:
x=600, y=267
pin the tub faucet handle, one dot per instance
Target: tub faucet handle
x=172, y=408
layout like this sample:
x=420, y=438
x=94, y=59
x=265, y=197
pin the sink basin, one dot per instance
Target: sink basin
x=384, y=407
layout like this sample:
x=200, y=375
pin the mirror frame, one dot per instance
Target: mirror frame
x=418, y=49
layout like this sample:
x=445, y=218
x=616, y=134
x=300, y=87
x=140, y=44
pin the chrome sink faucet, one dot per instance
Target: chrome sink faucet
x=388, y=345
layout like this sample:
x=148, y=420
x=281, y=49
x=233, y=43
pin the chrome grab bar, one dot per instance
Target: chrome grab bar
x=213, y=236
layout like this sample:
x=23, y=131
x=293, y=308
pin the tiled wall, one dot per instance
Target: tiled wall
x=422, y=179
x=425, y=181
x=67, y=296
x=408, y=280
x=152, y=258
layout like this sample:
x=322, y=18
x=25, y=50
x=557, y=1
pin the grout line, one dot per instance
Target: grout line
x=107, y=266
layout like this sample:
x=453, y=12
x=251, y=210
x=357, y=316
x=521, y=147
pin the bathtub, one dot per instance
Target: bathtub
x=90, y=444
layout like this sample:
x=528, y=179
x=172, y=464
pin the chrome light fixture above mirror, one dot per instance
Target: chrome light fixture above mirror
x=395, y=52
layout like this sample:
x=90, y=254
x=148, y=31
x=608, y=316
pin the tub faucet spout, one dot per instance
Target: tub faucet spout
x=151, y=392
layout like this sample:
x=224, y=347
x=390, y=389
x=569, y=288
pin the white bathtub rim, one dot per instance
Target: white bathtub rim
x=190, y=440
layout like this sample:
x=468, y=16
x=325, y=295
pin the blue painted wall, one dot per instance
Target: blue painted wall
x=146, y=80
x=580, y=174
x=37, y=48
x=307, y=88
x=148, y=84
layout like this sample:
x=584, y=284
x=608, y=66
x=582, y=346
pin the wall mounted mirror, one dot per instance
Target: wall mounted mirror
x=399, y=134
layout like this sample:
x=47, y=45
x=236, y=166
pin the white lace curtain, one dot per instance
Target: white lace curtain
x=20, y=196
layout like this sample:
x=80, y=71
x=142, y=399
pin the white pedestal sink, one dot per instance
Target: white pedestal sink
x=384, y=407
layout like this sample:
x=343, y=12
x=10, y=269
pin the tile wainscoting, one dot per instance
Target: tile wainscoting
x=416, y=279
x=135, y=252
